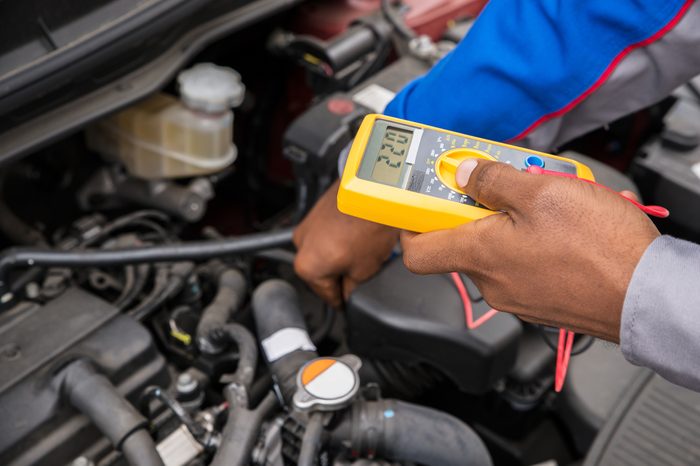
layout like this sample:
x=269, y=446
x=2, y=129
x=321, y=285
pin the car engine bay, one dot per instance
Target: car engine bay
x=149, y=309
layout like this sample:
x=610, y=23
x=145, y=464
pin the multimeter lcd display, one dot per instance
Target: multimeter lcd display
x=392, y=155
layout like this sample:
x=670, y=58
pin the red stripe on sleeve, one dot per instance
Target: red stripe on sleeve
x=608, y=71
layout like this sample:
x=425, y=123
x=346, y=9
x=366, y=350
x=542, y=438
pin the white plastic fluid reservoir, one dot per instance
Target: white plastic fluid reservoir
x=163, y=137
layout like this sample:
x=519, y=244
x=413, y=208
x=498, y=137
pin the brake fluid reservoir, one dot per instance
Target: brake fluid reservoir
x=163, y=137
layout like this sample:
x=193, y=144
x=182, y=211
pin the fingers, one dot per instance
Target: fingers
x=325, y=285
x=439, y=251
x=496, y=185
x=329, y=290
x=349, y=285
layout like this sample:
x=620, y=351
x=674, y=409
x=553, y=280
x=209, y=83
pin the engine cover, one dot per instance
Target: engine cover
x=36, y=427
x=420, y=319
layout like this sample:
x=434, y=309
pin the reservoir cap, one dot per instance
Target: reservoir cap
x=211, y=88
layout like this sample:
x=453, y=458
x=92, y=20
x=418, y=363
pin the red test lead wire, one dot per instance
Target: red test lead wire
x=566, y=342
x=653, y=210
x=467, y=304
x=566, y=337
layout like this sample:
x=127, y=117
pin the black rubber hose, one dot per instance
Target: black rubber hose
x=139, y=449
x=276, y=309
x=168, y=282
x=311, y=441
x=229, y=297
x=155, y=392
x=247, y=353
x=94, y=395
x=241, y=432
x=399, y=431
x=398, y=23
x=125, y=221
x=192, y=251
x=325, y=328
x=127, y=298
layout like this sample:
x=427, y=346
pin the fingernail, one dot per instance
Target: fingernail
x=464, y=171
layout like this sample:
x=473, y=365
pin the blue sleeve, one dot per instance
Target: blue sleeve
x=660, y=326
x=527, y=61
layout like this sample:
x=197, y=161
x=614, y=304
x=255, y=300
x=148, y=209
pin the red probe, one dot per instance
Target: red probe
x=566, y=337
x=467, y=304
x=653, y=210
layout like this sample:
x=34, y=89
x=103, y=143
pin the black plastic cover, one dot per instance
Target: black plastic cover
x=653, y=423
x=36, y=427
x=401, y=316
x=668, y=172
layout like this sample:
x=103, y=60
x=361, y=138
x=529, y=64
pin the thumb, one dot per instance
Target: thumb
x=496, y=185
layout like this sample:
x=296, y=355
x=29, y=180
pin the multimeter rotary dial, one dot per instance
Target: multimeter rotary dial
x=447, y=163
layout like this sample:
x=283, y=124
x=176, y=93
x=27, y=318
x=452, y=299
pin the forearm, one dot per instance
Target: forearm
x=541, y=72
x=661, y=315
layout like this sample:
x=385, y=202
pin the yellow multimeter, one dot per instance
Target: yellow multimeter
x=402, y=174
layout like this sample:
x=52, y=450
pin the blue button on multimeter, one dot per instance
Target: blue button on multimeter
x=534, y=161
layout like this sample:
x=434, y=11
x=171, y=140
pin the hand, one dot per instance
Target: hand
x=336, y=252
x=561, y=253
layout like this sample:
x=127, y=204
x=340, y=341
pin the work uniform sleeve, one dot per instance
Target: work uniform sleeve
x=542, y=72
x=661, y=314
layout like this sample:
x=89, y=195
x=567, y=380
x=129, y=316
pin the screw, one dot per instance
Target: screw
x=186, y=383
x=10, y=351
x=81, y=461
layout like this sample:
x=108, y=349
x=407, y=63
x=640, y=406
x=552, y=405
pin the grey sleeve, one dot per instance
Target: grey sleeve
x=661, y=314
x=645, y=76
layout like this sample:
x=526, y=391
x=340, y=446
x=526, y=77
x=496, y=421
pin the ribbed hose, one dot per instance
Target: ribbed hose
x=94, y=395
x=399, y=431
x=193, y=251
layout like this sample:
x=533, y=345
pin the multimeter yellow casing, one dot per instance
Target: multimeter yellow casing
x=401, y=174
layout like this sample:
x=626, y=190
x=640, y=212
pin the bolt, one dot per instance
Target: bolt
x=10, y=351
x=32, y=290
x=81, y=461
x=186, y=383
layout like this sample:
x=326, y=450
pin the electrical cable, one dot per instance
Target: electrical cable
x=138, y=218
x=396, y=21
x=381, y=52
x=192, y=251
x=324, y=329
x=586, y=341
x=129, y=281
x=154, y=392
x=311, y=441
x=168, y=282
x=467, y=304
x=127, y=299
x=566, y=337
x=566, y=342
